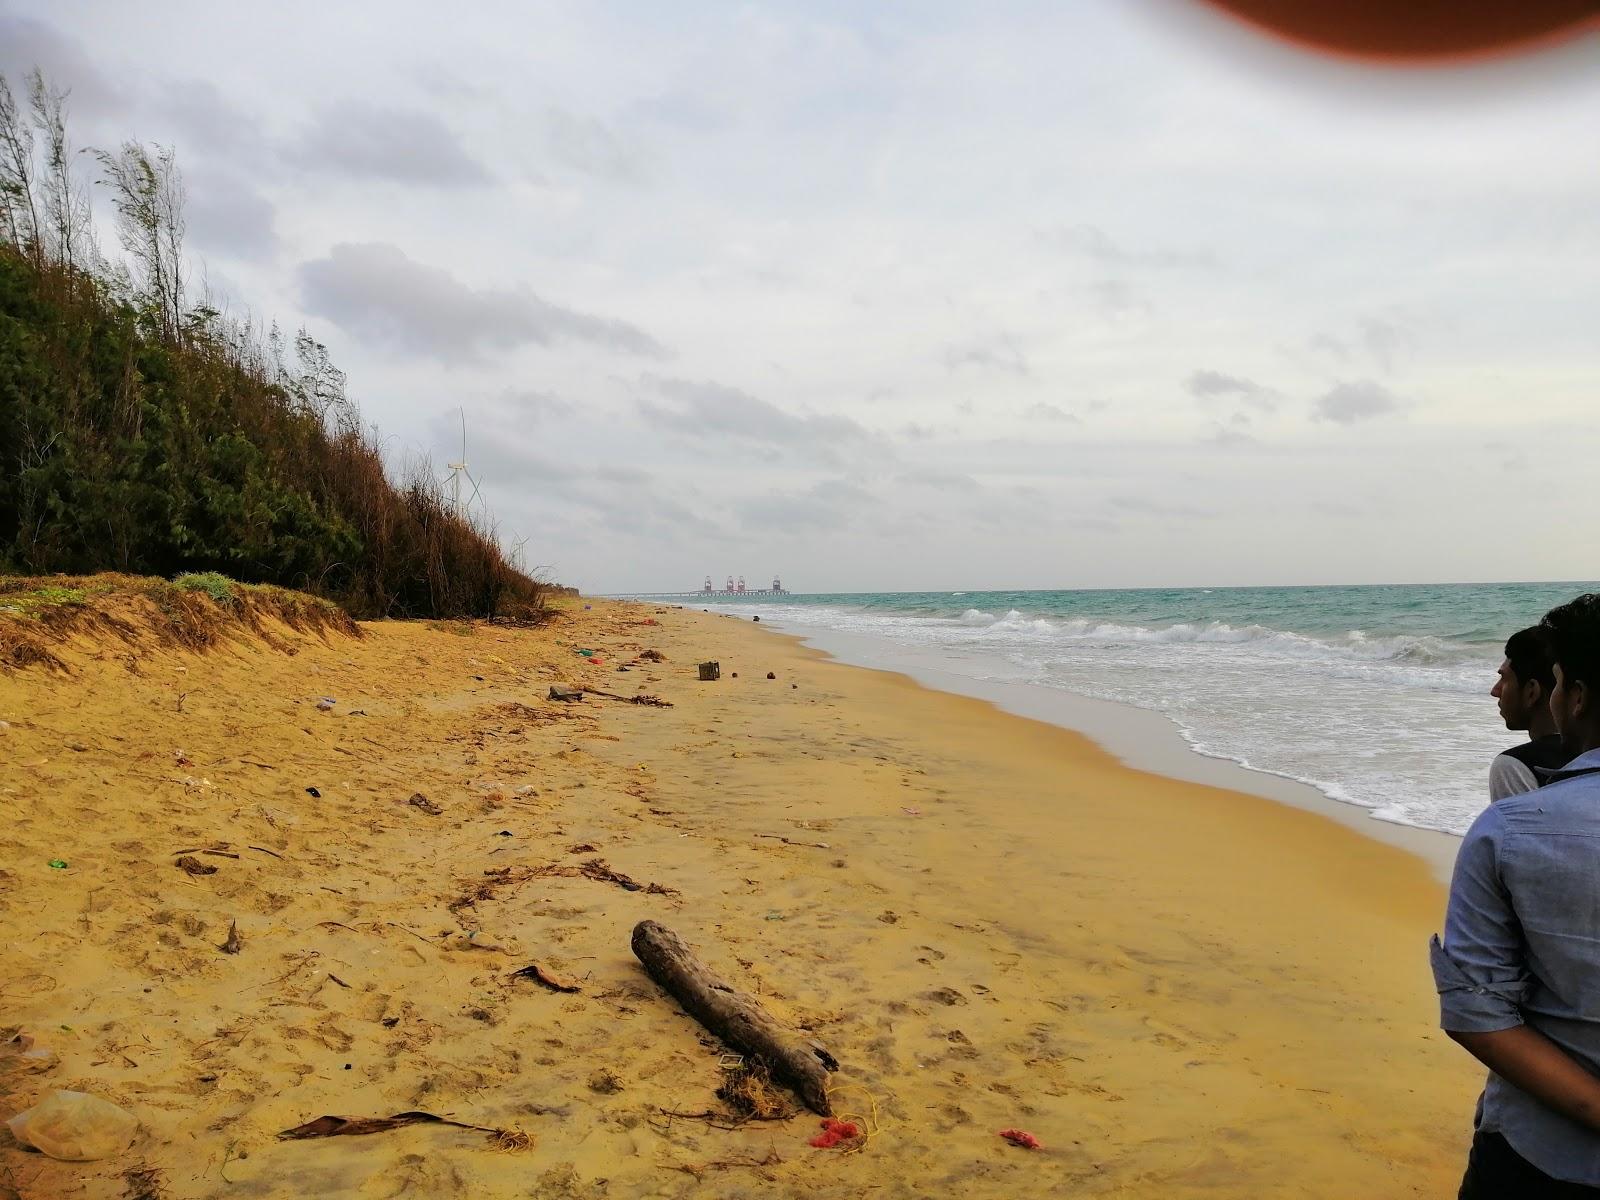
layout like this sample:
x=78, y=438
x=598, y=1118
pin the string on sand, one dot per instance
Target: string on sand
x=870, y=1124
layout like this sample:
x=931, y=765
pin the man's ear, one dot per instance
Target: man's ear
x=1578, y=693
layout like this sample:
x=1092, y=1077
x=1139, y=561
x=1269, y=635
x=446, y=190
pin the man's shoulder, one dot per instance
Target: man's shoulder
x=1509, y=775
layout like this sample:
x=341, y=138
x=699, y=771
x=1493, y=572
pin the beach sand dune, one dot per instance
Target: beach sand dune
x=1181, y=991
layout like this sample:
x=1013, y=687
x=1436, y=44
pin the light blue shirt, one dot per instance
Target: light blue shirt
x=1522, y=947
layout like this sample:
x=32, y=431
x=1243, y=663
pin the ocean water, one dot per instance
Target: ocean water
x=1377, y=696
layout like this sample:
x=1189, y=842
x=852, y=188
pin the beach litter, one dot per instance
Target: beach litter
x=418, y=800
x=1021, y=1137
x=331, y=1126
x=566, y=695
x=193, y=865
x=539, y=973
x=314, y=793
x=144, y=1183
x=58, y=864
x=32, y=1054
x=710, y=671
x=234, y=943
x=747, y=1088
x=770, y=675
x=75, y=1127
x=326, y=703
x=835, y=1132
x=652, y=656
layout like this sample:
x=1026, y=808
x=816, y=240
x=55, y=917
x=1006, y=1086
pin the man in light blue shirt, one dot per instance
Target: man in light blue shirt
x=1518, y=968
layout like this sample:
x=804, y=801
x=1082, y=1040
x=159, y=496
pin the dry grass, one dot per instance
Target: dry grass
x=39, y=615
x=748, y=1090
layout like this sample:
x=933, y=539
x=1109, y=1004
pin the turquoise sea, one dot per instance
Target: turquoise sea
x=1376, y=695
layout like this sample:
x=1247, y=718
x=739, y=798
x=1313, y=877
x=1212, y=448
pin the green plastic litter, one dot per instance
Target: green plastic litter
x=59, y=864
x=586, y=653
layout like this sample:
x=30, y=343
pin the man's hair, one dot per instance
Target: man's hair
x=1530, y=654
x=1574, y=632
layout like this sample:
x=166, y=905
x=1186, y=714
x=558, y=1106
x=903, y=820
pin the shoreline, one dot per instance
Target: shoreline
x=1182, y=990
x=1141, y=738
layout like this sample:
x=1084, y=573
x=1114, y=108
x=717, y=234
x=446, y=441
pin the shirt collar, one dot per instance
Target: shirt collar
x=1588, y=761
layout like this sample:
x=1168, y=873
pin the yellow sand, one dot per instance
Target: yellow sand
x=1181, y=991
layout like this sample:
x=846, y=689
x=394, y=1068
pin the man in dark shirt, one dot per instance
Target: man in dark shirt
x=1523, y=687
x=1518, y=968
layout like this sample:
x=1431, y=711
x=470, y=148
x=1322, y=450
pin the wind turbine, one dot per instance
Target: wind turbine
x=458, y=470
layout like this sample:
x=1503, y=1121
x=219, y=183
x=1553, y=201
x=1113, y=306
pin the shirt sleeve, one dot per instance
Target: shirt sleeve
x=1479, y=967
x=1509, y=777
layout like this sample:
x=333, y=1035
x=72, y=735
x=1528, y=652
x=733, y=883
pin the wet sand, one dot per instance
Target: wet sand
x=1181, y=990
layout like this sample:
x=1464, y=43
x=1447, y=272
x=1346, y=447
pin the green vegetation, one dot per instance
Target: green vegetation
x=218, y=587
x=144, y=433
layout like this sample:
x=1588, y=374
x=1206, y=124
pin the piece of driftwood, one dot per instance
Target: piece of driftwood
x=735, y=1017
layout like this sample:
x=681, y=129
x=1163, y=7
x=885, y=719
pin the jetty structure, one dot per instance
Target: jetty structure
x=708, y=590
x=736, y=587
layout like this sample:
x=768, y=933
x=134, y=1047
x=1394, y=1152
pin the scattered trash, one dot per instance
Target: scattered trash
x=835, y=1131
x=76, y=747
x=233, y=945
x=565, y=694
x=526, y=789
x=622, y=669
x=1021, y=1137
x=179, y=758
x=600, y=870
x=773, y=916
x=911, y=812
x=755, y=618
x=194, y=866
x=314, y=793
x=748, y=1090
x=710, y=671
x=418, y=800
x=605, y=1081
x=58, y=864
x=478, y=940
x=582, y=848
x=326, y=703
x=597, y=662
x=586, y=653
x=75, y=1127
x=778, y=837
x=27, y=1049
x=648, y=701
x=541, y=974
x=770, y=675
x=328, y=1126
x=505, y=833
x=144, y=1183
x=796, y=686
x=652, y=656
x=736, y=674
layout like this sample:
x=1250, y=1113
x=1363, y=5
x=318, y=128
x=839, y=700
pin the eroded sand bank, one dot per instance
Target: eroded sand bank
x=1182, y=991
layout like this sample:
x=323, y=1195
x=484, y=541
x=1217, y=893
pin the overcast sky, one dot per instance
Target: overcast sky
x=905, y=295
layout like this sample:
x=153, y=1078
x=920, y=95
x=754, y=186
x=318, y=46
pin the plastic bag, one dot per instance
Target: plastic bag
x=75, y=1126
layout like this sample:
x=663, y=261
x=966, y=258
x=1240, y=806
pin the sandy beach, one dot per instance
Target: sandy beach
x=991, y=922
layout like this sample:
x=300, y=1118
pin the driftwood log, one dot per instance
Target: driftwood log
x=735, y=1017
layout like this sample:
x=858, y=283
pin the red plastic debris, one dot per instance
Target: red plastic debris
x=833, y=1132
x=1021, y=1137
